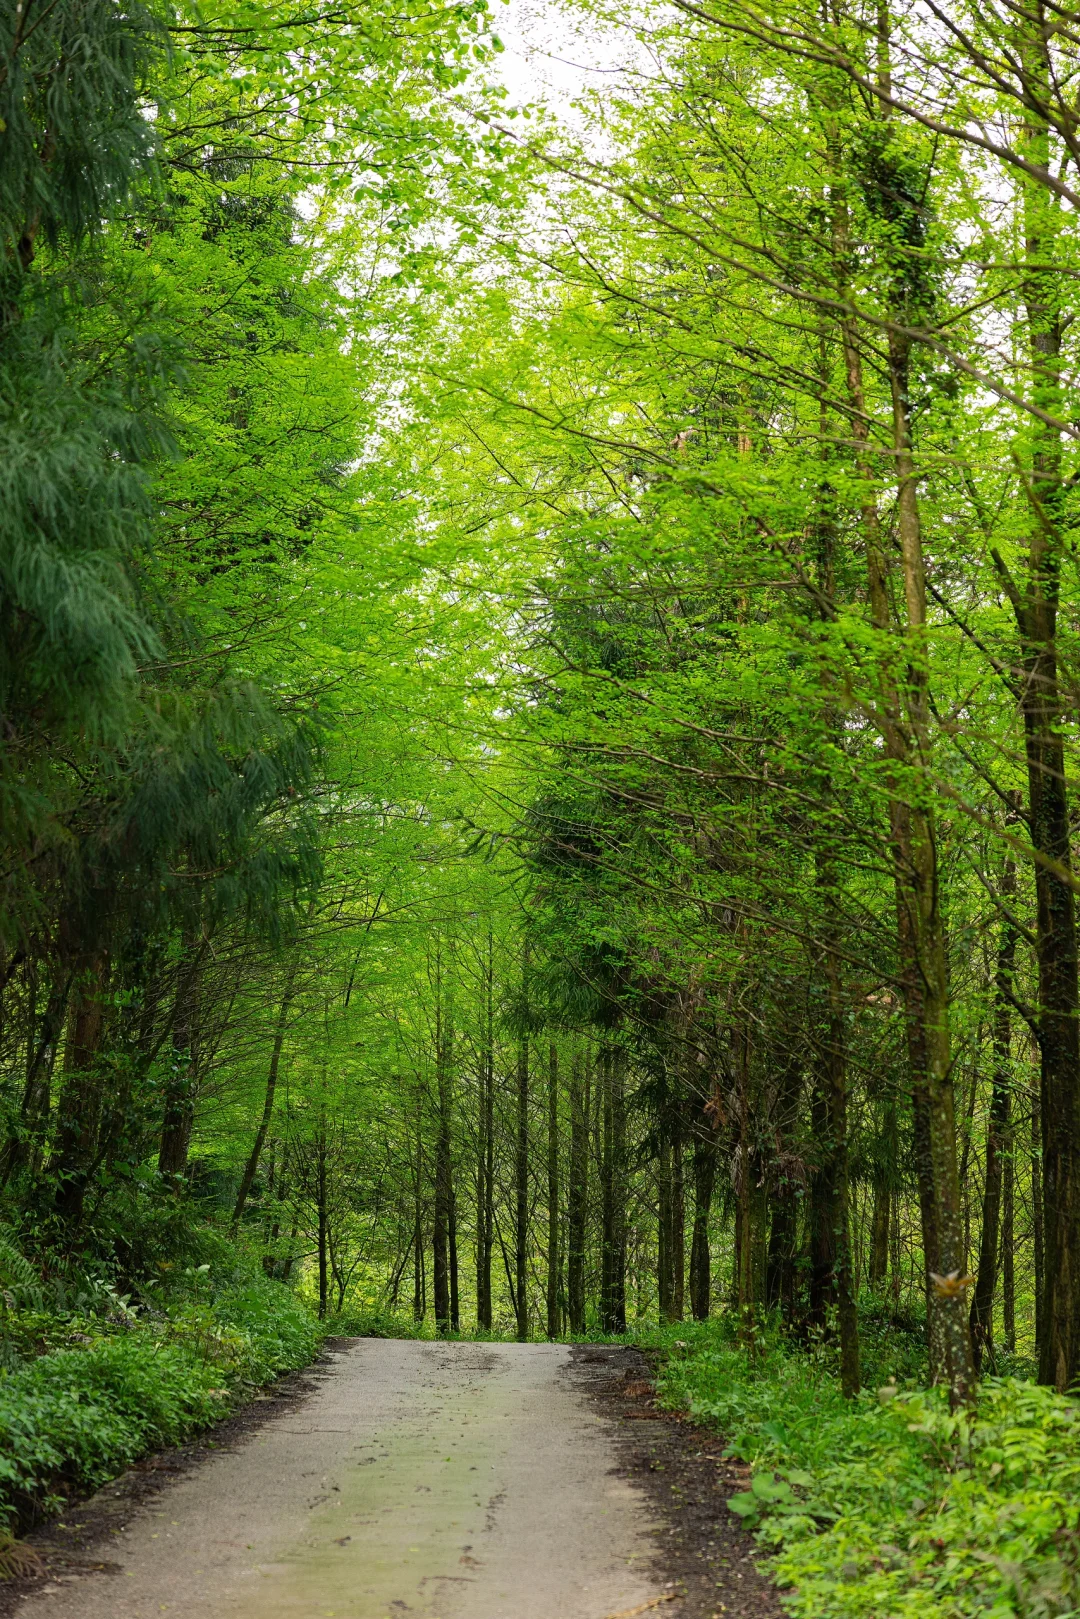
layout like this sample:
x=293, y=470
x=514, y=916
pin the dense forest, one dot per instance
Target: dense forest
x=540, y=684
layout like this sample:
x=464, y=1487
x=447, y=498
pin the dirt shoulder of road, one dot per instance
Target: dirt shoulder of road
x=81, y=1538
x=703, y=1554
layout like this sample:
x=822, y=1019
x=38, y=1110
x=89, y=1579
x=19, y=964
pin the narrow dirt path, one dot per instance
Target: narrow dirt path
x=449, y=1481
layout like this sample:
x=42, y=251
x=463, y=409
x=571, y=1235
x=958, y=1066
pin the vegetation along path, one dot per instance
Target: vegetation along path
x=443, y=1479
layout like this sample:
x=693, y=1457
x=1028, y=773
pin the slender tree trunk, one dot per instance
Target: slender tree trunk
x=419, y=1247
x=26, y=1145
x=612, y=1193
x=455, y=1294
x=835, y=1086
x=1008, y=1258
x=179, y=1115
x=744, y=1197
x=785, y=1195
x=521, y=1188
x=982, y=1302
x=700, y=1255
x=921, y=898
x=79, y=1104
x=440, y=1257
x=879, y=1233
x=678, y=1221
x=485, y=1161
x=322, y=1215
x=553, y=1258
x=920, y=928
x=664, y=1288
x=251, y=1168
x=444, y=1256
x=1036, y=608
x=1038, y=1227
x=578, y=1192
x=618, y=1113
x=821, y=1210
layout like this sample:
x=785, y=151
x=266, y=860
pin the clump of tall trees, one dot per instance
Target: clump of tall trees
x=539, y=667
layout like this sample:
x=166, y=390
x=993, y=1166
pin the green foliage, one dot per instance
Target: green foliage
x=72, y=1417
x=892, y=1504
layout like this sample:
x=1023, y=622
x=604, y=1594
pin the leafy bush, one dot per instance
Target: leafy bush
x=891, y=1505
x=74, y=1417
x=374, y=1323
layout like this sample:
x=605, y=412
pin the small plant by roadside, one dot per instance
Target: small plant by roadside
x=890, y=1506
x=84, y=1394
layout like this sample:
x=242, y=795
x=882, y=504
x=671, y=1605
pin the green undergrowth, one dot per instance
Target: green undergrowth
x=890, y=1506
x=84, y=1395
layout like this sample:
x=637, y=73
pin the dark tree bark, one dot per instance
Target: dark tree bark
x=664, y=1287
x=613, y=1193
x=322, y=1212
x=997, y=1133
x=578, y=1191
x=879, y=1231
x=1036, y=608
x=678, y=1220
x=907, y=730
x=485, y=1156
x=455, y=1290
x=26, y=1145
x=251, y=1168
x=180, y=1085
x=700, y=1256
x=1038, y=1226
x=781, y=1272
x=1008, y=1260
x=79, y=1105
x=553, y=1257
x=521, y=1191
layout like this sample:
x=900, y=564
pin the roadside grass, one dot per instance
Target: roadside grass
x=889, y=1506
x=84, y=1395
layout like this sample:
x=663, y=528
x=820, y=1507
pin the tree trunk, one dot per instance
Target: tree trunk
x=678, y=1221
x=663, y=1227
x=879, y=1233
x=1036, y=608
x=27, y=1143
x=921, y=899
x=521, y=1188
x=251, y=1168
x=613, y=1193
x=419, y=1247
x=485, y=1159
x=1008, y=1258
x=997, y=1133
x=455, y=1293
x=79, y=1104
x=553, y=1260
x=700, y=1256
x=322, y=1215
x=578, y=1192
x=620, y=1189
x=444, y=1251
x=1038, y=1227
x=179, y=1113
x=906, y=733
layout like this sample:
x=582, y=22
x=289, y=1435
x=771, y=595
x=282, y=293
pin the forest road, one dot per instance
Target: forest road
x=448, y=1481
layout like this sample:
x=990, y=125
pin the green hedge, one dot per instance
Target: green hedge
x=73, y=1418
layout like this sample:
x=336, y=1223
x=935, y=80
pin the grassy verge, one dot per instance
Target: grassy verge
x=890, y=1507
x=82, y=1397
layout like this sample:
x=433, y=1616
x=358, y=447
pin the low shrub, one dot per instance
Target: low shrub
x=891, y=1506
x=75, y=1416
